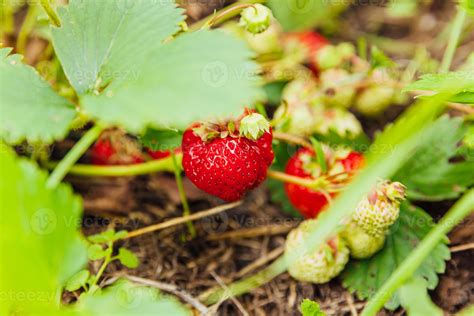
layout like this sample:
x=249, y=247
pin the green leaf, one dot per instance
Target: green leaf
x=120, y=235
x=96, y=252
x=40, y=245
x=128, y=258
x=30, y=109
x=415, y=299
x=379, y=59
x=195, y=76
x=311, y=308
x=297, y=15
x=463, y=97
x=127, y=299
x=100, y=42
x=365, y=277
x=452, y=82
x=162, y=140
x=273, y=92
x=78, y=280
x=103, y=237
x=429, y=174
x=468, y=5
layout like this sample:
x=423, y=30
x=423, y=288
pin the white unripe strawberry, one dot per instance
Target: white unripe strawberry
x=377, y=212
x=321, y=265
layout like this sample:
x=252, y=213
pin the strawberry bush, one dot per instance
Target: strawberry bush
x=250, y=103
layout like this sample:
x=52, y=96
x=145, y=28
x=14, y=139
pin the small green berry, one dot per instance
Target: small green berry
x=345, y=50
x=338, y=88
x=375, y=100
x=319, y=266
x=361, y=244
x=328, y=57
x=256, y=18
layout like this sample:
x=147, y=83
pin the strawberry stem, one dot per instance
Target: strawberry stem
x=314, y=184
x=404, y=272
x=73, y=155
x=182, y=194
x=453, y=40
x=160, y=165
x=224, y=14
x=53, y=16
x=243, y=286
x=292, y=139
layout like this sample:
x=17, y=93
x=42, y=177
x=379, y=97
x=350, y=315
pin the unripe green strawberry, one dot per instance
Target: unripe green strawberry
x=296, y=115
x=267, y=42
x=337, y=120
x=345, y=50
x=375, y=100
x=256, y=18
x=328, y=57
x=320, y=266
x=377, y=212
x=338, y=88
x=361, y=244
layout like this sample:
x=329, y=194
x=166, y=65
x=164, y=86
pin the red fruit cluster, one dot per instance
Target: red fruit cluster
x=226, y=167
x=307, y=201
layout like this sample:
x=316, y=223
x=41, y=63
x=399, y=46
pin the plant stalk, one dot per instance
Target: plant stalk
x=453, y=40
x=224, y=14
x=53, y=16
x=182, y=194
x=73, y=156
x=455, y=215
x=243, y=286
x=165, y=164
x=26, y=28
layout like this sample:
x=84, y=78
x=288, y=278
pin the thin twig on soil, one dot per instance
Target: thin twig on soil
x=350, y=303
x=261, y=261
x=460, y=248
x=255, y=231
x=170, y=288
x=181, y=220
x=236, y=301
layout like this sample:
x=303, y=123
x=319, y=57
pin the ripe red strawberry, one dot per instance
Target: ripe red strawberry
x=223, y=162
x=115, y=148
x=303, y=164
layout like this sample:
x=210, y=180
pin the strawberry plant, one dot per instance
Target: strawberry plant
x=261, y=105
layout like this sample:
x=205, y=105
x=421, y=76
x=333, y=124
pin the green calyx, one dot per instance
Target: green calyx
x=256, y=18
x=253, y=126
